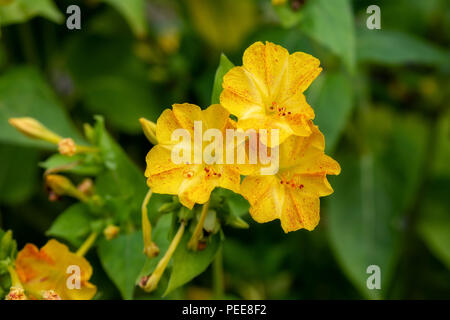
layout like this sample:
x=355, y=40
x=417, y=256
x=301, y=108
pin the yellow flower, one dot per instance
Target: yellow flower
x=267, y=91
x=49, y=269
x=292, y=195
x=193, y=183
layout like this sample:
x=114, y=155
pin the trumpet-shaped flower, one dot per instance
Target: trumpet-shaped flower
x=292, y=195
x=193, y=181
x=54, y=269
x=267, y=91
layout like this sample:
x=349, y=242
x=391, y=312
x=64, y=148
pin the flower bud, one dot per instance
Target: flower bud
x=149, y=129
x=62, y=186
x=34, y=129
x=67, y=147
x=16, y=293
x=151, y=250
x=111, y=232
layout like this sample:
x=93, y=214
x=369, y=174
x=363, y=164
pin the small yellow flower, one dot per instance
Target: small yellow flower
x=111, y=232
x=193, y=183
x=47, y=270
x=267, y=91
x=292, y=195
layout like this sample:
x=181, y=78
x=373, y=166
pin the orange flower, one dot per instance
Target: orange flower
x=267, y=91
x=49, y=269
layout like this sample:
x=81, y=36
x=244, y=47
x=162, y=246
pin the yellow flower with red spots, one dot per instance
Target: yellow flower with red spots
x=192, y=182
x=45, y=273
x=267, y=91
x=292, y=195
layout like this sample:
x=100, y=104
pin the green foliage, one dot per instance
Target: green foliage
x=371, y=195
x=19, y=11
x=24, y=93
x=331, y=23
x=134, y=12
x=77, y=164
x=112, y=81
x=333, y=107
x=381, y=103
x=17, y=165
x=123, y=258
x=188, y=264
x=397, y=48
x=72, y=225
x=225, y=65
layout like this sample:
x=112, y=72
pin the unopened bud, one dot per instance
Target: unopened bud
x=149, y=129
x=50, y=295
x=111, y=232
x=152, y=250
x=89, y=132
x=16, y=293
x=34, y=129
x=62, y=186
x=67, y=147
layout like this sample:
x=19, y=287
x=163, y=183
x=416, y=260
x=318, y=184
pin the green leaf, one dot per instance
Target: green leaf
x=331, y=23
x=122, y=183
x=396, y=48
x=434, y=222
x=82, y=164
x=73, y=225
x=188, y=264
x=108, y=95
x=123, y=258
x=112, y=81
x=333, y=107
x=134, y=12
x=371, y=196
x=225, y=65
x=24, y=93
x=19, y=11
x=18, y=173
x=8, y=246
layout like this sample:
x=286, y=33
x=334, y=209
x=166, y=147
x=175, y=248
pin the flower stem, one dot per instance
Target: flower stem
x=218, y=278
x=87, y=244
x=150, y=248
x=152, y=282
x=87, y=149
x=193, y=242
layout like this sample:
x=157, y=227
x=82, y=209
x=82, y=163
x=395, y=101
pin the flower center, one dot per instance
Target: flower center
x=277, y=110
x=291, y=183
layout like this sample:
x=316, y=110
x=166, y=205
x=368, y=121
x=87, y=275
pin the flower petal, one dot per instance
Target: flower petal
x=265, y=195
x=300, y=211
x=240, y=96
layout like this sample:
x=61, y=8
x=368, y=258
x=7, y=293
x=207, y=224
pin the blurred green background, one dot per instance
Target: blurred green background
x=381, y=101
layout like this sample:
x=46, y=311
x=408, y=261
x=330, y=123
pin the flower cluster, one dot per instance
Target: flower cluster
x=266, y=93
